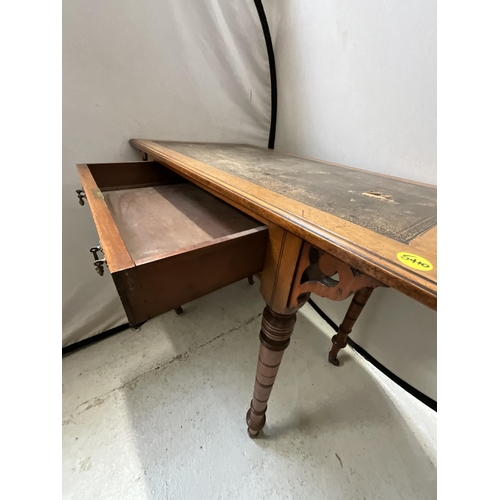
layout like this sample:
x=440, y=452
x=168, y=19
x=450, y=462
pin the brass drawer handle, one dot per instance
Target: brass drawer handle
x=98, y=263
x=81, y=195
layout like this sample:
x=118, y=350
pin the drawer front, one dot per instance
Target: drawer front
x=166, y=241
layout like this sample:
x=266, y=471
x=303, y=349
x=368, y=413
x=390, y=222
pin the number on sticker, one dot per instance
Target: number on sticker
x=415, y=261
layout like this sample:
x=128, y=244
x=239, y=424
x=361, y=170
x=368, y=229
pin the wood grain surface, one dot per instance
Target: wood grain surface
x=312, y=199
x=158, y=221
x=115, y=250
x=152, y=288
x=111, y=176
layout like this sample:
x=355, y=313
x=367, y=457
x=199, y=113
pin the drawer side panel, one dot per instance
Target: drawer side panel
x=151, y=289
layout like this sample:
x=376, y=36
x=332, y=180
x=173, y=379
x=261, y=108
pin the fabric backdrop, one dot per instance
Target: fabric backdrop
x=177, y=70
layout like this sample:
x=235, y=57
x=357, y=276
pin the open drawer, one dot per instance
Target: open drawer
x=166, y=241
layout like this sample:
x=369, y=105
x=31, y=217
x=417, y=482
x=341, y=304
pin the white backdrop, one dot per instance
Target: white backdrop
x=178, y=70
x=357, y=86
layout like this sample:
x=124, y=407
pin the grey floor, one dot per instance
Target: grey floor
x=161, y=414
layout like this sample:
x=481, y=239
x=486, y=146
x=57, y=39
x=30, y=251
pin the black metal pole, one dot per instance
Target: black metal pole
x=272, y=70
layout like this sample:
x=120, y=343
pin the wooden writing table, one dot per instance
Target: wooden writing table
x=331, y=230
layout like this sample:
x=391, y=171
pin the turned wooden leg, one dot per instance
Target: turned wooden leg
x=274, y=339
x=178, y=310
x=250, y=280
x=340, y=339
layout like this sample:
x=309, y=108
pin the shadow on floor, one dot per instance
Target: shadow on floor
x=331, y=432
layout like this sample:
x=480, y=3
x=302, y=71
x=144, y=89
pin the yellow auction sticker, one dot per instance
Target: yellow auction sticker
x=414, y=261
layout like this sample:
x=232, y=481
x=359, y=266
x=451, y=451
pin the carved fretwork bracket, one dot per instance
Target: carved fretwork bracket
x=323, y=274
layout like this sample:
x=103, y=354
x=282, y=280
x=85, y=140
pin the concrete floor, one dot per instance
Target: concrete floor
x=161, y=414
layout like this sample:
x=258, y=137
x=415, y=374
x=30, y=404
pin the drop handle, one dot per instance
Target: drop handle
x=94, y=251
x=98, y=263
x=99, y=266
x=81, y=195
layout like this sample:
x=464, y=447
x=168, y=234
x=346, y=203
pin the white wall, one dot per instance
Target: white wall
x=178, y=70
x=357, y=82
x=357, y=86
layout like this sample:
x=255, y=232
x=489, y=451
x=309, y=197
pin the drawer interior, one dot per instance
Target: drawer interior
x=158, y=221
x=134, y=174
x=158, y=213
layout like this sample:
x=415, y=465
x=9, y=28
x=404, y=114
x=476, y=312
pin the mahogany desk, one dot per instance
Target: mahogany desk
x=313, y=227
